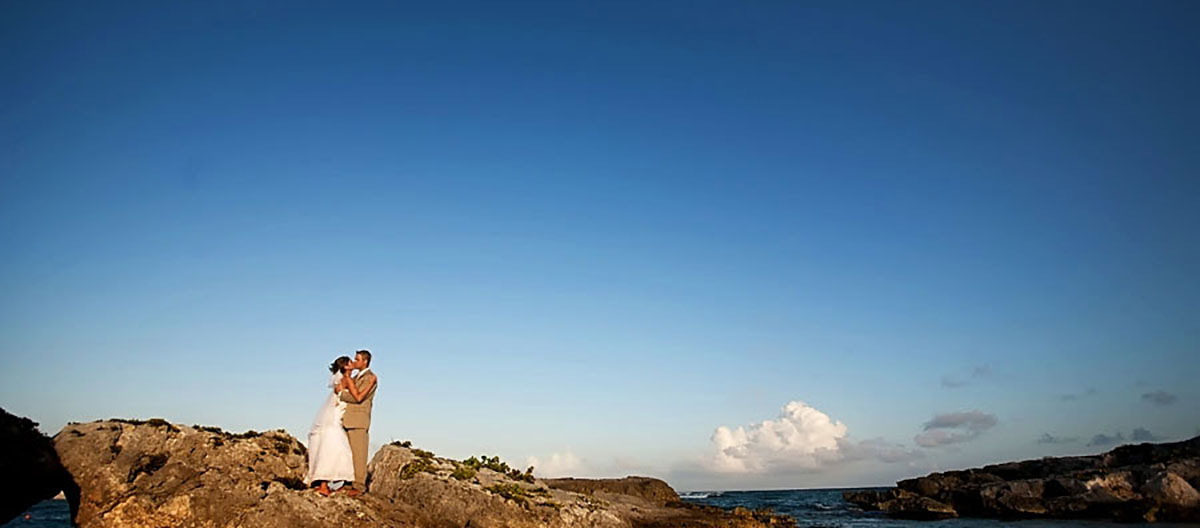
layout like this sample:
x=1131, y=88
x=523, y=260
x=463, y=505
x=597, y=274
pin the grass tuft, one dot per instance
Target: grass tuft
x=495, y=464
x=516, y=493
x=417, y=466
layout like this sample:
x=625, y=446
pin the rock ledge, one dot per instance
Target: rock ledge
x=1144, y=482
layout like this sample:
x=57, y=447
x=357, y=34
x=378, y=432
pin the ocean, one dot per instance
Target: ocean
x=826, y=509
x=811, y=508
x=45, y=514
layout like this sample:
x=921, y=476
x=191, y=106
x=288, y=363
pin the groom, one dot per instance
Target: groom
x=357, y=418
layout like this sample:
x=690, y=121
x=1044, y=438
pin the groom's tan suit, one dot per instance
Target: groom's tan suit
x=357, y=421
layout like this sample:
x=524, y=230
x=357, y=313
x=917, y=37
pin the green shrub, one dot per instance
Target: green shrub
x=421, y=453
x=511, y=492
x=518, y=494
x=495, y=464
x=462, y=472
x=418, y=465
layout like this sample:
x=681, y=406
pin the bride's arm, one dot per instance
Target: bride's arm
x=358, y=396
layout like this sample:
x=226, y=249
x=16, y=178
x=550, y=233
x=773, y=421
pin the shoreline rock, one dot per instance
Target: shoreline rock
x=650, y=489
x=148, y=474
x=1143, y=482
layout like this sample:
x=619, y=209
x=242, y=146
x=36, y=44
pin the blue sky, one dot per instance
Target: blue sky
x=591, y=236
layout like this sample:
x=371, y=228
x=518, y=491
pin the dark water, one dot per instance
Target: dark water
x=826, y=509
x=45, y=514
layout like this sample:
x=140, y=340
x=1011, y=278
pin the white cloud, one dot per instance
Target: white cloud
x=564, y=464
x=801, y=439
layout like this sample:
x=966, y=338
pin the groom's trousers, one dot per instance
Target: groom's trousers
x=358, y=448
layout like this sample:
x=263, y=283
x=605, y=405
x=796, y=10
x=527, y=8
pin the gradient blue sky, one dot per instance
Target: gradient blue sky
x=592, y=233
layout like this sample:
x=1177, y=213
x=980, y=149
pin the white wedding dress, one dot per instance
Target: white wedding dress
x=329, y=455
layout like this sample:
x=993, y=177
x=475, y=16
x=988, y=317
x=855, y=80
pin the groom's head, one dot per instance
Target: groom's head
x=362, y=359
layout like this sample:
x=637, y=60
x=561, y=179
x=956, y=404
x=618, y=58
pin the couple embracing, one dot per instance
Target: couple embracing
x=337, y=442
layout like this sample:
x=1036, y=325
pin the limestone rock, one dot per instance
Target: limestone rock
x=438, y=492
x=152, y=474
x=1018, y=498
x=1130, y=483
x=425, y=486
x=1172, y=490
x=651, y=489
x=868, y=500
x=911, y=506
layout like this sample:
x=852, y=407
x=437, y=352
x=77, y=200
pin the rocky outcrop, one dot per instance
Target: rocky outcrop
x=447, y=493
x=152, y=474
x=901, y=504
x=651, y=489
x=29, y=457
x=1145, y=482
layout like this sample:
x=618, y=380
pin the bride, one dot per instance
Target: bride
x=329, y=457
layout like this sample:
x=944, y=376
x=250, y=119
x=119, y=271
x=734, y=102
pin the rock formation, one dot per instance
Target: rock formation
x=650, y=489
x=1145, y=482
x=152, y=474
x=443, y=492
x=29, y=457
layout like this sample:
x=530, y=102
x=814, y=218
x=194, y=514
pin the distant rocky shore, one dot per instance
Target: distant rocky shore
x=1144, y=482
x=155, y=473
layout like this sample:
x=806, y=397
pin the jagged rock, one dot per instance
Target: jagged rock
x=902, y=504
x=651, y=489
x=438, y=492
x=1130, y=483
x=905, y=505
x=1018, y=498
x=153, y=474
x=424, y=485
x=868, y=500
x=1172, y=490
x=29, y=457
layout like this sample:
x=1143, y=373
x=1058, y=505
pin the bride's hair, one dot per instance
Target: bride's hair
x=338, y=364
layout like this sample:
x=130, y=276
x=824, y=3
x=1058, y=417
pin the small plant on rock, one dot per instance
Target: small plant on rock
x=418, y=465
x=463, y=472
x=421, y=453
x=495, y=464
